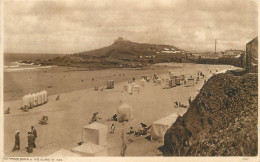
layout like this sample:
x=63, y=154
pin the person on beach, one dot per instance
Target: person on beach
x=176, y=104
x=34, y=133
x=113, y=128
x=131, y=130
x=17, y=141
x=58, y=97
x=30, y=142
x=94, y=118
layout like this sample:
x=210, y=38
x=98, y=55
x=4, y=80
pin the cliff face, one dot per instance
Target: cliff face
x=221, y=121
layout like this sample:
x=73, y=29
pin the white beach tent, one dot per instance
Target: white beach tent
x=64, y=153
x=130, y=88
x=39, y=98
x=160, y=126
x=25, y=101
x=136, y=88
x=143, y=82
x=42, y=97
x=45, y=96
x=124, y=112
x=35, y=99
x=30, y=100
x=95, y=133
x=90, y=149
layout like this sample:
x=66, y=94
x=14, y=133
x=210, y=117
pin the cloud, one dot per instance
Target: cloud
x=74, y=26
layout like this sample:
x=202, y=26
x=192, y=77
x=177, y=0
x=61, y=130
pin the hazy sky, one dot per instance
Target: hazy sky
x=75, y=26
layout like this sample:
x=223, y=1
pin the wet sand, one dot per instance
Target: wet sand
x=68, y=115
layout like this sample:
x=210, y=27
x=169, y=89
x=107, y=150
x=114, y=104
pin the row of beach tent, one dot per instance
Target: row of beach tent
x=35, y=99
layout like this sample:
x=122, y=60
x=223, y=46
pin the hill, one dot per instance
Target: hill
x=125, y=49
x=121, y=54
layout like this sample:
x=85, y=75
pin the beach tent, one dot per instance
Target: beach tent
x=136, y=88
x=130, y=88
x=160, y=126
x=190, y=82
x=158, y=81
x=42, y=97
x=39, y=99
x=110, y=84
x=124, y=112
x=34, y=97
x=144, y=77
x=177, y=81
x=45, y=96
x=64, y=153
x=30, y=100
x=95, y=133
x=173, y=82
x=143, y=82
x=168, y=83
x=25, y=101
x=90, y=149
x=182, y=81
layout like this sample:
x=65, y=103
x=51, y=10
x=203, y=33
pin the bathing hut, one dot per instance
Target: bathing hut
x=190, y=82
x=110, y=84
x=35, y=100
x=42, y=97
x=169, y=83
x=30, y=101
x=25, y=101
x=130, y=89
x=178, y=81
x=143, y=82
x=39, y=98
x=136, y=88
x=158, y=81
x=45, y=96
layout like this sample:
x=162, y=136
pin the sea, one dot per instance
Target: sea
x=12, y=61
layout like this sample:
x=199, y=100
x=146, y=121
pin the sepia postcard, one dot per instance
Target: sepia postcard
x=129, y=80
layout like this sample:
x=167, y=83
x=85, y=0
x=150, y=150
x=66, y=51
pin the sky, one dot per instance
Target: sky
x=67, y=27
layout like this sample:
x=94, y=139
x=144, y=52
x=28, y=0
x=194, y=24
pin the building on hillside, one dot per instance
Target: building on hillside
x=234, y=52
x=251, y=63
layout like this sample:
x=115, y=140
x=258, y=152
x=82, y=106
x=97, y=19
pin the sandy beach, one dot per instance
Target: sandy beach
x=79, y=101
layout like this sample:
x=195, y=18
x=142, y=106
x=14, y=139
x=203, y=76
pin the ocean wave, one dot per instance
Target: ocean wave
x=23, y=68
x=14, y=66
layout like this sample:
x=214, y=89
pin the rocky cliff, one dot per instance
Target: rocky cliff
x=221, y=120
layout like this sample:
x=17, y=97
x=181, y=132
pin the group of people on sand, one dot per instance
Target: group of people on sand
x=32, y=135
